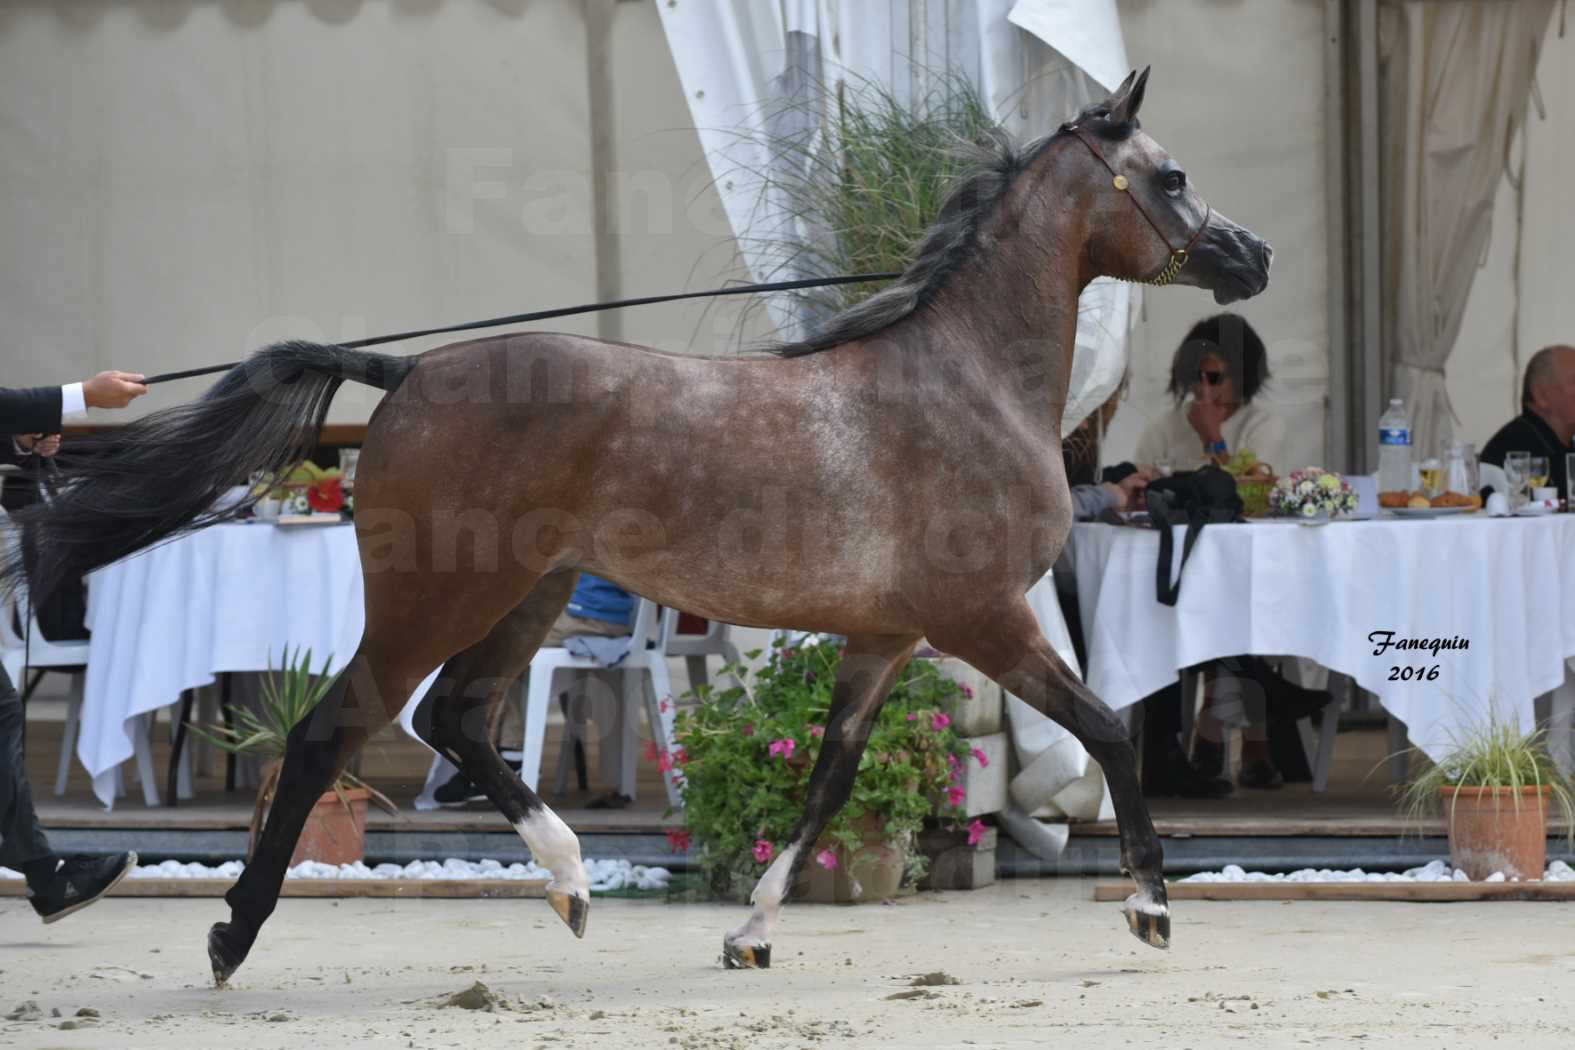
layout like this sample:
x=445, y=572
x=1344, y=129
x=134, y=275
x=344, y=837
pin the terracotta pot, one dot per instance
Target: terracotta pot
x=873, y=872
x=1489, y=832
x=334, y=833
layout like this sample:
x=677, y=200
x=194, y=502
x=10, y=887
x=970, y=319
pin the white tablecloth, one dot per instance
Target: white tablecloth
x=1506, y=585
x=226, y=598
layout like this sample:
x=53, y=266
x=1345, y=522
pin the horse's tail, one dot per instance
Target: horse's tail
x=163, y=475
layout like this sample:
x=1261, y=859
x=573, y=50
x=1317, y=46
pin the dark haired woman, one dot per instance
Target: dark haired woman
x=1215, y=375
x=1216, y=372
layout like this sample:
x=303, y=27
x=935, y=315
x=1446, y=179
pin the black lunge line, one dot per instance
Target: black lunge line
x=562, y=311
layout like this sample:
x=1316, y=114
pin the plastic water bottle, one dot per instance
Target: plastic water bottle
x=1394, y=449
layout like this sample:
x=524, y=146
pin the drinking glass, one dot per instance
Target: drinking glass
x=1431, y=474
x=348, y=458
x=1460, y=469
x=1517, y=469
x=1537, y=473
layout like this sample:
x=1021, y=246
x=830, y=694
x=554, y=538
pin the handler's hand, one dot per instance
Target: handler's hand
x=113, y=389
x=47, y=446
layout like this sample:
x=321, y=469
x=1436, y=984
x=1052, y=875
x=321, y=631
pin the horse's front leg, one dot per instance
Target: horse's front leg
x=1013, y=651
x=868, y=670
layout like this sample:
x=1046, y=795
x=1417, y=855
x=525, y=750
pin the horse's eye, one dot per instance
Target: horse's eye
x=1175, y=181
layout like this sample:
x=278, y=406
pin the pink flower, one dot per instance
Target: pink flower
x=678, y=839
x=651, y=751
x=913, y=716
x=940, y=721
x=748, y=730
x=663, y=704
x=783, y=747
x=956, y=767
x=664, y=762
x=955, y=796
x=967, y=690
x=680, y=756
x=817, y=731
x=826, y=859
x=763, y=851
x=984, y=760
x=975, y=832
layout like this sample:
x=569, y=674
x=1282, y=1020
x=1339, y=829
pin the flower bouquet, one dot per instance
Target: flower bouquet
x=1312, y=493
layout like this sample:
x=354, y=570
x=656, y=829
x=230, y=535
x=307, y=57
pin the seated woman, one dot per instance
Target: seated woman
x=1215, y=374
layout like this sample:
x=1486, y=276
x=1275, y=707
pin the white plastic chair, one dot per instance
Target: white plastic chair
x=646, y=661
x=694, y=648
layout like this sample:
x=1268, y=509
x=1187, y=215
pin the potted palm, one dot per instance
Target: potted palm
x=335, y=831
x=1495, y=786
x=746, y=754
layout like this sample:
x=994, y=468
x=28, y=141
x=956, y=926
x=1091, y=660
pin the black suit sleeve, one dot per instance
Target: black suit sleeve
x=35, y=411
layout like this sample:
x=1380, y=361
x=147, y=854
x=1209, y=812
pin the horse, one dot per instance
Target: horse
x=895, y=476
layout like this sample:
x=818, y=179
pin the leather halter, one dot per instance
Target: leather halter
x=1178, y=256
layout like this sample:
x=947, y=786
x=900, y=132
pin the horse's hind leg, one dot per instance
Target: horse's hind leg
x=868, y=670
x=1013, y=651
x=316, y=752
x=455, y=719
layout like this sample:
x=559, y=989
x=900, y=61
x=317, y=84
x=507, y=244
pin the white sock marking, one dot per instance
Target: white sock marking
x=769, y=893
x=556, y=848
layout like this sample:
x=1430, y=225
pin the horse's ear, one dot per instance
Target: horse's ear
x=1129, y=97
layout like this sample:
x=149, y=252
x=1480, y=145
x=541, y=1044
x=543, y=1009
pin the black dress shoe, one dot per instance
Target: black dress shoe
x=1262, y=775
x=457, y=790
x=78, y=882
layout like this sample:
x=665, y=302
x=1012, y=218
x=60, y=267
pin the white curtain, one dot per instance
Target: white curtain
x=1037, y=61
x=1454, y=76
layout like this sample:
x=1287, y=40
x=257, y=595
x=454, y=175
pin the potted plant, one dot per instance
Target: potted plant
x=335, y=831
x=1494, y=787
x=746, y=754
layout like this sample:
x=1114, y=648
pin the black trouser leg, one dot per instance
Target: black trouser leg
x=22, y=841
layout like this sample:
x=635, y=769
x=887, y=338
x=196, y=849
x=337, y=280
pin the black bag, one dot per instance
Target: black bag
x=1193, y=499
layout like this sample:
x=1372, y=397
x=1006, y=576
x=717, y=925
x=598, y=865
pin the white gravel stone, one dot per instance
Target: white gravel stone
x=605, y=875
x=1432, y=871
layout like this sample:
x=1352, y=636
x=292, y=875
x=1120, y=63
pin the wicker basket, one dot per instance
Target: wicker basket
x=1253, y=487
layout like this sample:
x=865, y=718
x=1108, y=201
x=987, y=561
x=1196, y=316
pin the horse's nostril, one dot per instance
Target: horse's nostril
x=1268, y=253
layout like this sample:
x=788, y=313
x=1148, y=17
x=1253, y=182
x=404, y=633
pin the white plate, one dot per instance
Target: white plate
x=1532, y=510
x=1428, y=512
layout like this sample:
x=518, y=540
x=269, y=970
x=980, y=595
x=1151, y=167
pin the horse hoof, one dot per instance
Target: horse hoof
x=575, y=911
x=1148, y=921
x=226, y=952
x=746, y=956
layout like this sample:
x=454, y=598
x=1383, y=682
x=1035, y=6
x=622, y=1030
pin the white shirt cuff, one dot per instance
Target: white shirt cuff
x=72, y=401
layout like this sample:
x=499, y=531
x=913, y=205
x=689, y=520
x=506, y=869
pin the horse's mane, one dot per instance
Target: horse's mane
x=992, y=163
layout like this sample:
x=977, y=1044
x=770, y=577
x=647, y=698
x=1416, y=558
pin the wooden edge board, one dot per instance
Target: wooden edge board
x=482, y=889
x=1350, y=891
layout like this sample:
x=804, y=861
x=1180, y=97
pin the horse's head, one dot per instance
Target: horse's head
x=1150, y=224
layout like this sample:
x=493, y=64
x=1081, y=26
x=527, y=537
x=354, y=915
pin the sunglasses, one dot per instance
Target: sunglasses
x=1211, y=377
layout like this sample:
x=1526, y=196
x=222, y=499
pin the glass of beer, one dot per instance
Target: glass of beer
x=1431, y=474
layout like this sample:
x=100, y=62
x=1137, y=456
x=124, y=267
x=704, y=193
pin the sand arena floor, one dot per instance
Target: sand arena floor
x=1036, y=964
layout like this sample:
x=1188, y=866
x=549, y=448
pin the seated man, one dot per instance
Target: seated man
x=597, y=609
x=1547, y=414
